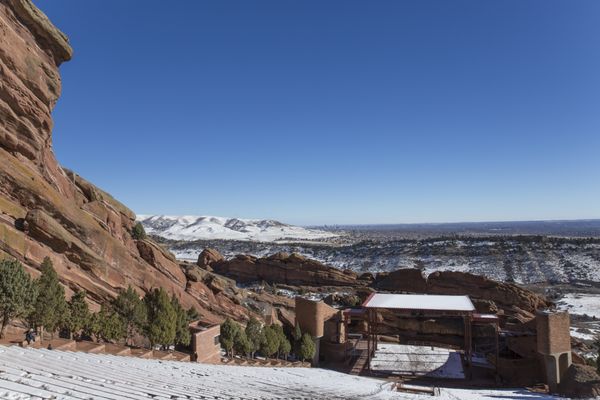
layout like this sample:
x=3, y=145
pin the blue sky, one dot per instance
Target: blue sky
x=317, y=112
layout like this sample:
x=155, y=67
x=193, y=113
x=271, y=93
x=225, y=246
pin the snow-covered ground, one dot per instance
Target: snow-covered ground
x=421, y=360
x=581, y=304
x=190, y=228
x=52, y=374
x=590, y=334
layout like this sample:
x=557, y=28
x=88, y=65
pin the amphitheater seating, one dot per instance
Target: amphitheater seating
x=42, y=373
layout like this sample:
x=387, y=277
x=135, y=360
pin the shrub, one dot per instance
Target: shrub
x=138, y=232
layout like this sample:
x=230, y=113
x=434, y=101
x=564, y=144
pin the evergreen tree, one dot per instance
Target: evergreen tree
x=254, y=335
x=307, y=347
x=270, y=343
x=280, y=337
x=182, y=330
x=51, y=309
x=192, y=314
x=229, y=331
x=132, y=311
x=138, y=232
x=241, y=343
x=17, y=293
x=162, y=319
x=297, y=334
x=106, y=325
x=79, y=313
x=285, y=347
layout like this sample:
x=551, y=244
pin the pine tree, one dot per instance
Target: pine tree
x=241, y=343
x=79, y=313
x=254, y=335
x=285, y=347
x=182, y=330
x=138, y=232
x=132, y=311
x=270, y=344
x=17, y=293
x=297, y=334
x=51, y=307
x=192, y=314
x=280, y=337
x=229, y=331
x=307, y=347
x=162, y=319
x=106, y=325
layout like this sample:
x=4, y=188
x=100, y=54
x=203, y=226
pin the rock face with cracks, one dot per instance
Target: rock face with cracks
x=46, y=210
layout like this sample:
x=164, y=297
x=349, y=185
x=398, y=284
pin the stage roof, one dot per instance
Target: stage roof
x=420, y=302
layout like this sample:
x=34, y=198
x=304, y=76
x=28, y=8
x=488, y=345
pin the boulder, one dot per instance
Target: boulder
x=402, y=280
x=580, y=381
x=208, y=257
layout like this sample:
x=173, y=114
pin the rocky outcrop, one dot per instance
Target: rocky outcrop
x=507, y=296
x=46, y=210
x=487, y=295
x=208, y=257
x=580, y=381
x=401, y=280
x=283, y=268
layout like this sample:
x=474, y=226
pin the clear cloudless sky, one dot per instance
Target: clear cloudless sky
x=322, y=112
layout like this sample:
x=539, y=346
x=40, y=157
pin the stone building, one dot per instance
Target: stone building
x=554, y=344
x=206, y=347
x=326, y=326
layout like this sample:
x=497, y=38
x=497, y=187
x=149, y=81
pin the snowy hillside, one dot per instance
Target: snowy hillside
x=190, y=228
x=53, y=374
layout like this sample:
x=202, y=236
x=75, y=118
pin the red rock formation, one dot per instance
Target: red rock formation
x=295, y=270
x=487, y=295
x=46, y=210
x=505, y=295
x=284, y=269
x=208, y=257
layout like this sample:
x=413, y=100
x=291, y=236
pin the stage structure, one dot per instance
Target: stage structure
x=424, y=306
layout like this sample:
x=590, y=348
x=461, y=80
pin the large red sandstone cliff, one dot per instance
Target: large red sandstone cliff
x=46, y=210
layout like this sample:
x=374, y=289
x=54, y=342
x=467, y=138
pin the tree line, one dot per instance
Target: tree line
x=42, y=305
x=268, y=340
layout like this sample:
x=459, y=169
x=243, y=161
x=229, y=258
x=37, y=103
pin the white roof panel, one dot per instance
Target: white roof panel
x=420, y=302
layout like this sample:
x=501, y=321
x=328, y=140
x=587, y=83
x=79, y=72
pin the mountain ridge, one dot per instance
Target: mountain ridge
x=194, y=227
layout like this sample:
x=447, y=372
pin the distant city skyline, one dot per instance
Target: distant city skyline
x=338, y=112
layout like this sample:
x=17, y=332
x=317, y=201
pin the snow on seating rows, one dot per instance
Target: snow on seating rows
x=38, y=373
x=26, y=373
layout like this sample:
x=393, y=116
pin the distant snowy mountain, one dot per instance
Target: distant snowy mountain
x=191, y=228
